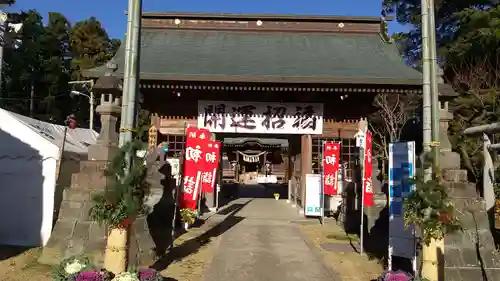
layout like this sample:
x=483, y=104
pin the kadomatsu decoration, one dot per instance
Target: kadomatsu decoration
x=429, y=207
x=123, y=198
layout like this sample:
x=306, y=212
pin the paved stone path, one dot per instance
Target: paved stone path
x=265, y=246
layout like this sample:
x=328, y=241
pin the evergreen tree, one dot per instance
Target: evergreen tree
x=468, y=36
x=39, y=60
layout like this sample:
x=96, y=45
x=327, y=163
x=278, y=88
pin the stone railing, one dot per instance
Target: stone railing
x=489, y=155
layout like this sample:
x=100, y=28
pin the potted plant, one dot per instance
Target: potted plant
x=276, y=196
x=121, y=202
x=188, y=217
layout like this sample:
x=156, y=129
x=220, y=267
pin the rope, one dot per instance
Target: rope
x=124, y=130
x=433, y=144
x=251, y=158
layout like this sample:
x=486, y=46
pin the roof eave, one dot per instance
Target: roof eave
x=271, y=79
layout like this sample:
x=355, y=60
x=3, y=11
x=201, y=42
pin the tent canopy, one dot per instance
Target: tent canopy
x=77, y=140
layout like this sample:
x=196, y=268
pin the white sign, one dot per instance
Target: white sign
x=174, y=169
x=267, y=179
x=401, y=169
x=313, y=206
x=261, y=117
x=360, y=139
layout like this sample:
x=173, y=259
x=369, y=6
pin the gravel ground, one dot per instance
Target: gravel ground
x=19, y=264
x=191, y=256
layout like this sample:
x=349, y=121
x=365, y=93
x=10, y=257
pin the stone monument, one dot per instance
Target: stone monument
x=74, y=233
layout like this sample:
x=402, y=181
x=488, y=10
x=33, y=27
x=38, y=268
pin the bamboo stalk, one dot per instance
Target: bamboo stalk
x=115, y=255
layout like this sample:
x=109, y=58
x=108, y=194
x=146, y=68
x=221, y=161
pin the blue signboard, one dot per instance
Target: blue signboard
x=401, y=171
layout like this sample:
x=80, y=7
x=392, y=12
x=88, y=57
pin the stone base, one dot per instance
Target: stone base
x=449, y=160
x=469, y=274
x=101, y=152
x=142, y=248
x=461, y=258
x=75, y=234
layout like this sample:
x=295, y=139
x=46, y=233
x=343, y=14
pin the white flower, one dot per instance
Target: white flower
x=126, y=276
x=73, y=267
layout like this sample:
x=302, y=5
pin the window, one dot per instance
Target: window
x=348, y=154
x=175, y=144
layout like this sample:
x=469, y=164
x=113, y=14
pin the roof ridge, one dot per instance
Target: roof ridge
x=297, y=17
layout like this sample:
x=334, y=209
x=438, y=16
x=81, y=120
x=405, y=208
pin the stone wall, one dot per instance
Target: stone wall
x=469, y=254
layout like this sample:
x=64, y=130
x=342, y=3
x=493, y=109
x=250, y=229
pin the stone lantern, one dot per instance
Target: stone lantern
x=109, y=87
x=448, y=158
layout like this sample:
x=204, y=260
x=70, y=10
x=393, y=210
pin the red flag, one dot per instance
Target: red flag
x=367, y=177
x=196, y=143
x=331, y=154
x=210, y=166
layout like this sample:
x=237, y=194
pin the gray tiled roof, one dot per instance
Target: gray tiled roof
x=168, y=54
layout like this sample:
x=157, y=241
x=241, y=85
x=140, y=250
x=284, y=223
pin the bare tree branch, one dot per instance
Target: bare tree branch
x=387, y=124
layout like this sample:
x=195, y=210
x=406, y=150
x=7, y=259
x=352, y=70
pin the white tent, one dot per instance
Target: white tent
x=29, y=155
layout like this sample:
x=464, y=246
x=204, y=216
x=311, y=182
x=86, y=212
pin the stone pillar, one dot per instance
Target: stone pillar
x=306, y=165
x=106, y=146
x=465, y=251
x=448, y=159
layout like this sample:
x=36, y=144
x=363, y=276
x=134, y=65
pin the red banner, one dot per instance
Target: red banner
x=210, y=166
x=367, y=177
x=331, y=154
x=196, y=144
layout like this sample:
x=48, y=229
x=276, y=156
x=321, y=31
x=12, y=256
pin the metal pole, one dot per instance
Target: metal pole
x=132, y=45
x=426, y=85
x=430, y=259
x=362, y=225
x=3, y=29
x=435, y=107
x=1, y=57
x=91, y=115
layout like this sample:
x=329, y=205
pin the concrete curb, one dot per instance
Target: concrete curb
x=320, y=256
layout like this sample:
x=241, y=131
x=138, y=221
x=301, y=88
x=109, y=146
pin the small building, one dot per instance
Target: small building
x=261, y=78
x=30, y=157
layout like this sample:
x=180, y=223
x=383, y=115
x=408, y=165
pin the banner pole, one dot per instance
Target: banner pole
x=178, y=188
x=362, y=227
x=321, y=167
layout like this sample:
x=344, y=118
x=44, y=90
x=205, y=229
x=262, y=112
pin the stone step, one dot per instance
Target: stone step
x=461, y=189
x=455, y=175
x=90, y=181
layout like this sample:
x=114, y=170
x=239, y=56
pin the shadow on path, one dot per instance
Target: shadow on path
x=234, y=191
x=8, y=251
x=193, y=245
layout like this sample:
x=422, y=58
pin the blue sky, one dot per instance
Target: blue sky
x=112, y=12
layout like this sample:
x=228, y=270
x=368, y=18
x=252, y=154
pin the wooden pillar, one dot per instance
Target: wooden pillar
x=289, y=162
x=263, y=169
x=306, y=164
x=237, y=168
